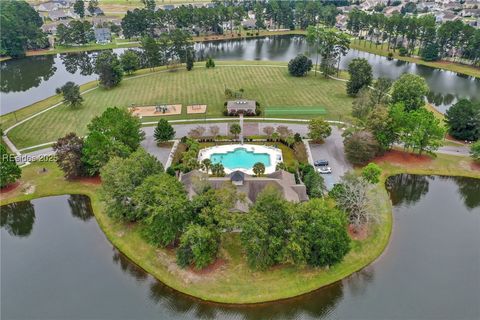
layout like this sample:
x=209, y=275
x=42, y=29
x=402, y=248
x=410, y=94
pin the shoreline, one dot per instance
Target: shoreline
x=172, y=280
x=445, y=65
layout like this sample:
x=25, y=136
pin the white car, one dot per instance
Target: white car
x=324, y=170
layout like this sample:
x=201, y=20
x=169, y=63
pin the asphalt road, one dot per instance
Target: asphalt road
x=332, y=151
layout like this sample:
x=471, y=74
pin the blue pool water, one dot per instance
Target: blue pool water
x=240, y=158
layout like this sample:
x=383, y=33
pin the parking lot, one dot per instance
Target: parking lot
x=332, y=151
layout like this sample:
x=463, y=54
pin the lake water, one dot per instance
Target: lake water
x=57, y=263
x=28, y=80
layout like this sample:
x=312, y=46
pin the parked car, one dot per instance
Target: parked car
x=321, y=163
x=324, y=170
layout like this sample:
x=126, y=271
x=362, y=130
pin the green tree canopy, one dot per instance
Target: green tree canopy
x=109, y=69
x=130, y=61
x=475, y=151
x=162, y=200
x=410, y=90
x=319, y=129
x=164, y=131
x=372, y=173
x=20, y=28
x=463, y=119
x=79, y=8
x=68, y=151
x=319, y=234
x=9, y=170
x=266, y=229
x=71, y=94
x=115, y=133
x=299, y=66
x=198, y=246
x=361, y=76
x=258, y=169
x=120, y=178
x=235, y=129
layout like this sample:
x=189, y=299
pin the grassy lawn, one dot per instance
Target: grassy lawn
x=364, y=45
x=269, y=84
x=234, y=282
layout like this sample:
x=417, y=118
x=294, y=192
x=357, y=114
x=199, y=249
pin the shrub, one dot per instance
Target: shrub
x=198, y=246
x=360, y=147
x=299, y=66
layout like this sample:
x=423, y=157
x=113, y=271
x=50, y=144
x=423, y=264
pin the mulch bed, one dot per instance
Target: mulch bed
x=400, y=157
x=475, y=165
x=211, y=268
x=10, y=187
x=89, y=180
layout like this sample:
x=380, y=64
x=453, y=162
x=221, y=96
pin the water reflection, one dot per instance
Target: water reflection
x=407, y=189
x=413, y=278
x=82, y=61
x=18, y=218
x=38, y=76
x=17, y=77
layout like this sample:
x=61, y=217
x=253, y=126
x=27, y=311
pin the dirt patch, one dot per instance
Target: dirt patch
x=475, y=165
x=217, y=265
x=10, y=187
x=358, y=234
x=403, y=158
x=450, y=138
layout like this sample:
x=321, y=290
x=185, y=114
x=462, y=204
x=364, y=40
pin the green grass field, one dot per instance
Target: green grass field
x=299, y=110
x=270, y=85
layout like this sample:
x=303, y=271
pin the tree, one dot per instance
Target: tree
x=319, y=234
x=79, y=8
x=120, y=178
x=372, y=173
x=151, y=51
x=235, y=129
x=115, y=133
x=265, y=231
x=299, y=66
x=422, y=131
x=410, y=89
x=109, y=69
x=430, y=52
x=269, y=131
x=360, y=147
x=218, y=170
x=210, y=63
x=20, y=28
x=330, y=44
x=314, y=183
x=206, y=164
x=362, y=105
x=381, y=123
x=361, y=76
x=76, y=32
x=379, y=94
x=164, y=131
x=9, y=170
x=475, y=151
x=319, y=129
x=130, y=61
x=71, y=94
x=352, y=196
x=198, y=246
x=189, y=60
x=68, y=151
x=162, y=200
x=258, y=169
x=92, y=6
x=463, y=120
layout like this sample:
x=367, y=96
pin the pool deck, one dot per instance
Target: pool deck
x=275, y=154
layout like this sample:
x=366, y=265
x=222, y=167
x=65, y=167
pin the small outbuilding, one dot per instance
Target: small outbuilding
x=247, y=107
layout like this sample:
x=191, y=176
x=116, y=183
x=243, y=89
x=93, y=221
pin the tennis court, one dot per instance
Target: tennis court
x=300, y=110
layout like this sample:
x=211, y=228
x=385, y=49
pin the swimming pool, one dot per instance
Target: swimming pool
x=240, y=158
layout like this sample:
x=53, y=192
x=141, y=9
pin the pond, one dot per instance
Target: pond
x=57, y=263
x=31, y=79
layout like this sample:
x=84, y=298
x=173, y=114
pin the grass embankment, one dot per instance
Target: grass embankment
x=233, y=282
x=364, y=45
x=269, y=83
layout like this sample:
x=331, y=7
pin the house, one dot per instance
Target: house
x=471, y=4
x=249, y=23
x=341, y=22
x=59, y=14
x=471, y=13
x=47, y=6
x=50, y=28
x=102, y=35
x=247, y=107
x=250, y=187
x=391, y=10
